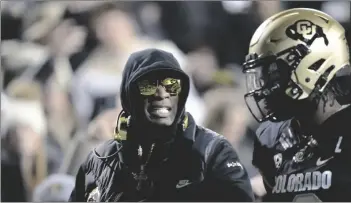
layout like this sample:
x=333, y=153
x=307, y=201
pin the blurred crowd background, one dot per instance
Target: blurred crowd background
x=61, y=65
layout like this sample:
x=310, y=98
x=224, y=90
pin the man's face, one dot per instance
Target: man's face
x=266, y=96
x=160, y=95
x=268, y=100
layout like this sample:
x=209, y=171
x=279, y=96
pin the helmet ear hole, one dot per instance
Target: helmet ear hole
x=323, y=79
x=316, y=65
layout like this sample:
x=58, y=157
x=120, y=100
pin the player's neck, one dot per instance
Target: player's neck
x=324, y=111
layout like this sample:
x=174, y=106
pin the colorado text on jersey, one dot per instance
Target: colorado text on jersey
x=300, y=182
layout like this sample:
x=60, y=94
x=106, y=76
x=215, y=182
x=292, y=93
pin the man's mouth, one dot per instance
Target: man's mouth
x=159, y=111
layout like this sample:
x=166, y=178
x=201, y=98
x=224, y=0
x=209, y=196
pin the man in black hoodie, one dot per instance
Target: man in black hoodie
x=159, y=153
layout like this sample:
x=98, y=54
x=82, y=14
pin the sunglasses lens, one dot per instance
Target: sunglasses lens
x=172, y=85
x=147, y=88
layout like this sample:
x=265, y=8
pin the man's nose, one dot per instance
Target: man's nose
x=161, y=92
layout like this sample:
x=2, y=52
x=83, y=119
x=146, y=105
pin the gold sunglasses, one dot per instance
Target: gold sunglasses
x=149, y=87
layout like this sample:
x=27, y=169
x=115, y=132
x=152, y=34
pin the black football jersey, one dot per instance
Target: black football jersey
x=318, y=171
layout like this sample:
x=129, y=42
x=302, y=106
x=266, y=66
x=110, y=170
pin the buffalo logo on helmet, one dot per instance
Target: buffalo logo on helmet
x=306, y=31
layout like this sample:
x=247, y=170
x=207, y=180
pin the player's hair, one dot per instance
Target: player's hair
x=339, y=88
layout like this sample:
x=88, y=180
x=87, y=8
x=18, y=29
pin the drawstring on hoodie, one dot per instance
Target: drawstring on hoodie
x=109, y=156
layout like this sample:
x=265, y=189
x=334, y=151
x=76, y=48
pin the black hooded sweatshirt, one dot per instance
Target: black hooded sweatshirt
x=197, y=164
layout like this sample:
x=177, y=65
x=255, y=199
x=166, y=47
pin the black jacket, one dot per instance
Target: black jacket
x=195, y=165
x=200, y=156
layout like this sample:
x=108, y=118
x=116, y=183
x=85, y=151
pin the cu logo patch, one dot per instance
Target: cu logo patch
x=306, y=31
x=278, y=159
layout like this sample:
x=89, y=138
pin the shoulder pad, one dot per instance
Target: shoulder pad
x=268, y=133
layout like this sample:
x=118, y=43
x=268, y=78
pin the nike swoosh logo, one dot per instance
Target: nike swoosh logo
x=182, y=184
x=322, y=162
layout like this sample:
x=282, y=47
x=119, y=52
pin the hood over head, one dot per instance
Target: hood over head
x=146, y=61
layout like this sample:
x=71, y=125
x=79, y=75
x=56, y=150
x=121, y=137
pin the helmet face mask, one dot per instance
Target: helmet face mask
x=266, y=83
x=293, y=56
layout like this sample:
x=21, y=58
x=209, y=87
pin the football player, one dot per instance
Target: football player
x=298, y=79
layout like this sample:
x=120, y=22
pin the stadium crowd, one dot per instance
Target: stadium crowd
x=61, y=65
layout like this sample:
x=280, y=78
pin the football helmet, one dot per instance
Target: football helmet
x=293, y=54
